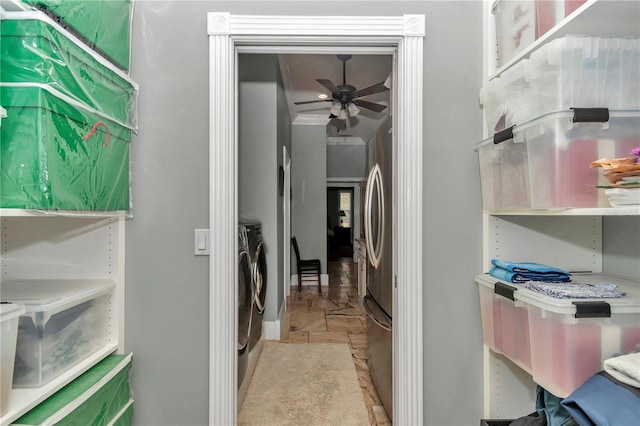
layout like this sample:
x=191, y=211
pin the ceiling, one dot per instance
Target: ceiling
x=299, y=74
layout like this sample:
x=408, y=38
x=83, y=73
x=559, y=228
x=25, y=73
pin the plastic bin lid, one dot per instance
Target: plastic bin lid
x=9, y=311
x=630, y=304
x=53, y=295
x=567, y=115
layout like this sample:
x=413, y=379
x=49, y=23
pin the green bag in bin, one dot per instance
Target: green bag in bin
x=104, y=25
x=110, y=403
x=33, y=49
x=58, y=154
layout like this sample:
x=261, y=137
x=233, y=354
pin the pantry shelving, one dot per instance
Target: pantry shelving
x=571, y=238
x=40, y=245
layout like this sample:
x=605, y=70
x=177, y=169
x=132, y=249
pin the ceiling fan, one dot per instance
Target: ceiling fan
x=346, y=98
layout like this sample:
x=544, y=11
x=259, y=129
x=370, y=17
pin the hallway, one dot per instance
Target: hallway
x=335, y=316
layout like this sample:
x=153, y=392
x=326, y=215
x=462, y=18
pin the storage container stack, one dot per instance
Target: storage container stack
x=573, y=101
x=68, y=109
x=70, y=105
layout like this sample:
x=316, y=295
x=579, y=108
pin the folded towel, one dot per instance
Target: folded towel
x=562, y=290
x=522, y=277
x=625, y=368
x=527, y=267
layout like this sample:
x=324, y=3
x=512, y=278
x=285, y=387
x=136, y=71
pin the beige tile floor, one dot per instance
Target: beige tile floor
x=335, y=316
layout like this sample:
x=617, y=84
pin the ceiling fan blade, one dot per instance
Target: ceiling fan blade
x=376, y=88
x=369, y=105
x=328, y=84
x=313, y=102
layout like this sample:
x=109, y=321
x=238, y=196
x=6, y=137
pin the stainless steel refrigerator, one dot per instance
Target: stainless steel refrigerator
x=378, y=229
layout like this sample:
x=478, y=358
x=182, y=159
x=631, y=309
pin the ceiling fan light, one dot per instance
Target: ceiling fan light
x=353, y=110
x=342, y=115
x=336, y=108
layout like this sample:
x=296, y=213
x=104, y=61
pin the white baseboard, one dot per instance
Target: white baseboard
x=271, y=329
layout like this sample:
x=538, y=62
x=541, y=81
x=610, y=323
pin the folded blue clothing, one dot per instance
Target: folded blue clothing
x=522, y=277
x=527, y=267
x=604, y=401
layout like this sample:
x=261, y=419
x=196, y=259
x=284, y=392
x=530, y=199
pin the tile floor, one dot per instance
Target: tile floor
x=335, y=316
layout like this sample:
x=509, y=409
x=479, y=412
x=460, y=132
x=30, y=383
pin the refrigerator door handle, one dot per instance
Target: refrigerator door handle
x=374, y=251
x=366, y=303
x=367, y=214
x=377, y=255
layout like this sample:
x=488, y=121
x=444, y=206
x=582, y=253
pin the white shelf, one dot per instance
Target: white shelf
x=67, y=213
x=595, y=18
x=631, y=210
x=24, y=399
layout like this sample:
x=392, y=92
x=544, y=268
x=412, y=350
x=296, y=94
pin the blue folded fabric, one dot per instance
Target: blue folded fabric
x=523, y=277
x=528, y=267
x=604, y=401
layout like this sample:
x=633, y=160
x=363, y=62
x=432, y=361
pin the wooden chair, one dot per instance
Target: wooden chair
x=308, y=269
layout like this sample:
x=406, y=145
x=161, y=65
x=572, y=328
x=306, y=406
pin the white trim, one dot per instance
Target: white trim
x=271, y=329
x=311, y=120
x=345, y=182
x=345, y=140
x=404, y=33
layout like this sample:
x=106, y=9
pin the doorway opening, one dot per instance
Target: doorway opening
x=231, y=34
x=340, y=221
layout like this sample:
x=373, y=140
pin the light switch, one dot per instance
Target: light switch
x=201, y=239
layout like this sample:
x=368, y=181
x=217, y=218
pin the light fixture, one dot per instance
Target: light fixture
x=340, y=111
x=336, y=109
x=342, y=213
x=322, y=96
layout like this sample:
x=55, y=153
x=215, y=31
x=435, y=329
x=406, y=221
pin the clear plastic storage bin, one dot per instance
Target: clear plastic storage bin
x=505, y=321
x=515, y=27
x=65, y=322
x=9, y=314
x=519, y=23
x=569, y=72
x=568, y=339
x=544, y=163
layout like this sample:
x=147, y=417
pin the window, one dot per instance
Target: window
x=345, y=209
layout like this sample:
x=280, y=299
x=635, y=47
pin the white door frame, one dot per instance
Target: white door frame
x=274, y=34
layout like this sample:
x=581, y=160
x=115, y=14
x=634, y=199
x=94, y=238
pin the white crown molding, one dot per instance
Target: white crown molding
x=227, y=33
x=344, y=140
x=311, y=120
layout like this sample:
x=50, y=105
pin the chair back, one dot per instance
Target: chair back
x=294, y=241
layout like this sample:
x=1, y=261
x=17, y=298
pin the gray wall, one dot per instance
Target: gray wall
x=621, y=246
x=452, y=226
x=262, y=111
x=309, y=191
x=347, y=161
x=167, y=289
